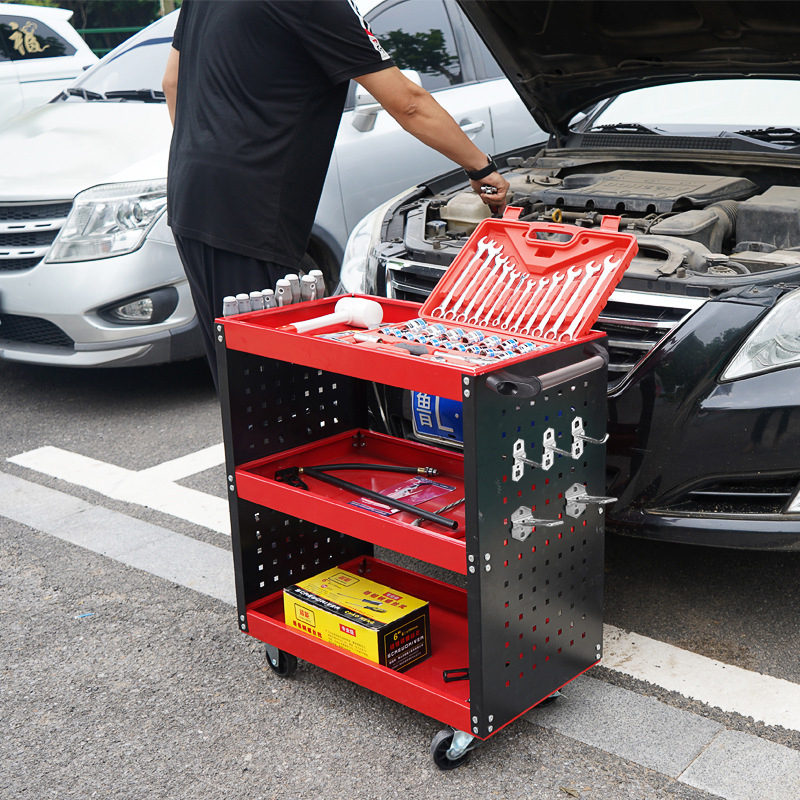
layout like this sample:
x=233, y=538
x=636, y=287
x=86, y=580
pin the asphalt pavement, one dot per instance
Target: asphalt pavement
x=124, y=675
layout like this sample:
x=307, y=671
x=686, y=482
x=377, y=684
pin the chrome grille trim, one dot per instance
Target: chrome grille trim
x=27, y=230
x=636, y=322
x=409, y=280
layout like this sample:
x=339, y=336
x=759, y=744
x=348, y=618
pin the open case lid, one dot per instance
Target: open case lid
x=575, y=269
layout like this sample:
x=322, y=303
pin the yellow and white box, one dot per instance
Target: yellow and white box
x=366, y=618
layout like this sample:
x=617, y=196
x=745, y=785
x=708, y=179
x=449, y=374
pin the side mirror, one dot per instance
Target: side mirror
x=367, y=107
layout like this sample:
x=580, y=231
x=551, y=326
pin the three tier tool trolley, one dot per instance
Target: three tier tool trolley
x=517, y=510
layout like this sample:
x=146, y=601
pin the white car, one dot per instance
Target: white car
x=40, y=53
x=89, y=273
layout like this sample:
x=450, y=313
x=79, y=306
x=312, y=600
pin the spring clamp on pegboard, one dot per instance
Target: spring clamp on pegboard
x=523, y=523
x=520, y=459
x=578, y=498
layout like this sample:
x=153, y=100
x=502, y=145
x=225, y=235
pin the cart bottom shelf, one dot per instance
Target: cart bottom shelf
x=422, y=687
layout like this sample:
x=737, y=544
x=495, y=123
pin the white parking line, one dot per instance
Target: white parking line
x=769, y=700
x=151, y=488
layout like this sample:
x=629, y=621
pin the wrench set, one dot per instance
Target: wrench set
x=492, y=291
x=540, y=281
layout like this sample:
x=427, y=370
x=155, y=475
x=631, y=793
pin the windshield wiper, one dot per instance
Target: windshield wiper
x=625, y=127
x=778, y=137
x=143, y=95
x=86, y=94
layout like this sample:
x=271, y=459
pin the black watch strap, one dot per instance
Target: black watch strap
x=477, y=174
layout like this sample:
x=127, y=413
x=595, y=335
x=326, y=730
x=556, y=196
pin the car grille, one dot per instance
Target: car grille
x=32, y=330
x=26, y=232
x=635, y=322
x=410, y=280
x=746, y=497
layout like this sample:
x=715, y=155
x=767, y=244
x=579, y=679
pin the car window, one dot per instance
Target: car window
x=418, y=35
x=25, y=38
x=490, y=67
x=137, y=64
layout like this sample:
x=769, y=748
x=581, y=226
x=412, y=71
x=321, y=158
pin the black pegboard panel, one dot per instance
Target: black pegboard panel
x=269, y=406
x=278, y=550
x=535, y=605
x=277, y=405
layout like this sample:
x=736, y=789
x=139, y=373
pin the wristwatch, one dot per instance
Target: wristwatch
x=477, y=174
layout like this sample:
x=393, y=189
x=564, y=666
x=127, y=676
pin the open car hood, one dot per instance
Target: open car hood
x=565, y=55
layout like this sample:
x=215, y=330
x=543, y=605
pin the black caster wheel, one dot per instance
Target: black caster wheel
x=281, y=662
x=550, y=699
x=440, y=745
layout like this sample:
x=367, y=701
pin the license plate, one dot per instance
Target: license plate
x=437, y=419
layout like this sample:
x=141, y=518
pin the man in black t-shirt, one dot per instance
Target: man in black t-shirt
x=256, y=89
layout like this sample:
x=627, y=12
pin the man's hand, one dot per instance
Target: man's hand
x=493, y=190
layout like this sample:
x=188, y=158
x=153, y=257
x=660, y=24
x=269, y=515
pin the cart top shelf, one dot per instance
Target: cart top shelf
x=260, y=333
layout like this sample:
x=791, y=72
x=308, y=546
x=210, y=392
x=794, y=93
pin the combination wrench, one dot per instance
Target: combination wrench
x=538, y=288
x=589, y=271
x=609, y=265
x=494, y=250
x=554, y=282
x=506, y=270
x=509, y=291
x=482, y=247
x=499, y=263
x=571, y=275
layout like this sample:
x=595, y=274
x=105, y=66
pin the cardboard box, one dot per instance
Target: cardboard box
x=361, y=616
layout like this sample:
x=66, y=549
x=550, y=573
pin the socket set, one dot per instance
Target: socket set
x=292, y=288
x=540, y=281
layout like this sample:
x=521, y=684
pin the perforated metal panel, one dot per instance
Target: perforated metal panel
x=269, y=406
x=535, y=605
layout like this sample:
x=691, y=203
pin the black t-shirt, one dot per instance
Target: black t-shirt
x=261, y=87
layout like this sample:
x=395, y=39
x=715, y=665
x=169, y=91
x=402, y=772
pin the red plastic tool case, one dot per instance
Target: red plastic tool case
x=527, y=616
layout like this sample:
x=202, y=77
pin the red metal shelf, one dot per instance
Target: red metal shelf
x=332, y=507
x=422, y=687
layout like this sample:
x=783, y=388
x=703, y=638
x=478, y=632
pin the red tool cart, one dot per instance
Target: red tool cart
x=506, y=340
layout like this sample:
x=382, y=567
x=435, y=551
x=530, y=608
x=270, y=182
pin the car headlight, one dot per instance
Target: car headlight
x=775, y=342
x=109, y=220
x=358, y=251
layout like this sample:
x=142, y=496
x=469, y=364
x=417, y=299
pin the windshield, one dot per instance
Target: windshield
x=136, y=64
x=716, y=105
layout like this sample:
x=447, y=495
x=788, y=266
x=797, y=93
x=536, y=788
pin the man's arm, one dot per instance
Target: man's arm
x=169, y=82
x=417, y=112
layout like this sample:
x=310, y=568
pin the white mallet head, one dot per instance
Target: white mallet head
x=359, y=312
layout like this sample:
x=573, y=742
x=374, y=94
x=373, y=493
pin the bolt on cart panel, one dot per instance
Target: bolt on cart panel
x=535, y=591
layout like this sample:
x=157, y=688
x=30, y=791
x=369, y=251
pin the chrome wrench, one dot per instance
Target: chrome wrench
x=499, y=263
x=541, y=285
x=483, y=246
x=571, y=275
x=589, y=271
x=609, y=265
x=501, y=299
x=554, y=282
x=506, y=269
x=494, y=250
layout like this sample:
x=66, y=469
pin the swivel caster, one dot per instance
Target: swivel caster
x=550, y=699
x=451, y=749
x=281, y=662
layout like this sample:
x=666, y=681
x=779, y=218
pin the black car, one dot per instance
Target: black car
x=682, y=119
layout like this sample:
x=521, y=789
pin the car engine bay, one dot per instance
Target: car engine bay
x=699, y=231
